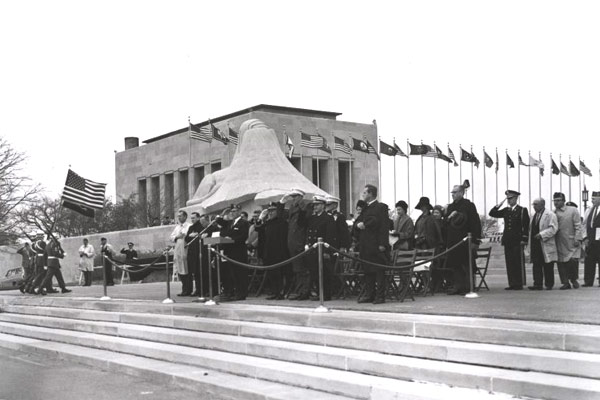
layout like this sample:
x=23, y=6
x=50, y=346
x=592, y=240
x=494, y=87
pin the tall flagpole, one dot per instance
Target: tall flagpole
x=540, y=175
x=551, y=178
x=570, y=177
x=497, y=169
x=449, y=175
x=460, y=166
x=378, y=157
x=560, y=170
x=484, y=186
x=506, y=159
x=580, y=207
x=518, y=170
x=422, y=183
x=529, y=173
x=394, y=174
x=350, y=175
x=472, y=181
x=408, y=173
x=434, y=177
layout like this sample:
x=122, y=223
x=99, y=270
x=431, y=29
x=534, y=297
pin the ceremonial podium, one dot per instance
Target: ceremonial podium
x=215, y=242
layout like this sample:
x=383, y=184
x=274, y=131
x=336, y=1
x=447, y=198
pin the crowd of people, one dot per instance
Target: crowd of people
x=291, y=226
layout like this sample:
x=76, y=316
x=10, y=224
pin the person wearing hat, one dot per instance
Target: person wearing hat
x=27, y=257
x=542, y=232
x=591, y=240
x=86, y=261
x=568, y=241
x=274, y=229
x=462, y=219
x=41, y=267
x=427, y=234
x=54, y=253
x=318, y=225
x=107, y=250
x=235, y=277
x=130, y=252
x=403, y=228
x=180, y=264
x=296, y=237
x=373, y=245
x=514, y=237
x=342, y=234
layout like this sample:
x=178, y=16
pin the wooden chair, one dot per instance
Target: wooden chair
x=481, y=267
x=422, y=273
x=348, y=273
x=400, y=280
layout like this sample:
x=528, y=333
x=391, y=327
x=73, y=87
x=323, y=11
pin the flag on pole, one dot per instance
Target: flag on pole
x=233, y=137
x=467, y=156
x=311, y=141
x=573, y=169
x=217, y=134
x=82, y=195
x=419, y=149
x=487, y=160
x=509, y=161
x=371, y=149
x=564, y=169
x=386, y=149
x=203, y=134
x=497, y=161
x=340, y=144
x=555, y=169
x=399, y=150
x=289, y=144
x=451, y=156
x=521, y=162
x=536, y=163
x=430, y=152
x=325, y=147
x=583, y=168
x=359, y=145
x=441, y=155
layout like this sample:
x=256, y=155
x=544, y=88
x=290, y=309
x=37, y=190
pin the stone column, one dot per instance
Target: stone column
x=179, y=202
x=162, y=190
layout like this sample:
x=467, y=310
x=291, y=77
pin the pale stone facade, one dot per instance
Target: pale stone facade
x=167, y=170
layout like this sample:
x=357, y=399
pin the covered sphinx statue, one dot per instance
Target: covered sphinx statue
x=259, y=173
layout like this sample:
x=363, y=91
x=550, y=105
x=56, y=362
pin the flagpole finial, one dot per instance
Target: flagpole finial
x=189, y=122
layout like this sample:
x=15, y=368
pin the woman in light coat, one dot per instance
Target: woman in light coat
x=180, y=253
x=86, y=261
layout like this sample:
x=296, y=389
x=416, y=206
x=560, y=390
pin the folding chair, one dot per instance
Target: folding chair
x=481, y=271
x=348, y=273
x=401, y=279
x=422, y=273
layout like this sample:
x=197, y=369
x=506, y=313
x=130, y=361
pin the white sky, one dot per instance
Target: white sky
x=77, y=77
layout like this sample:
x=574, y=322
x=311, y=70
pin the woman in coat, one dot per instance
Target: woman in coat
x=403, y=230
x=427, y=233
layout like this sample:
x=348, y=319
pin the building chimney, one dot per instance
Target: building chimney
x=131, y=142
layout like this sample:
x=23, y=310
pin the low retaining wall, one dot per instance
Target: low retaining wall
x=145, y=240
x=9, y=259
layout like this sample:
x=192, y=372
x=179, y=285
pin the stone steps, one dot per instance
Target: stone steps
x=322, y=383
x=298, y=349
x=272, y=340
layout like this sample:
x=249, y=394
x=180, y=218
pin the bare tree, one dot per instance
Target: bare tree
x=16, y=190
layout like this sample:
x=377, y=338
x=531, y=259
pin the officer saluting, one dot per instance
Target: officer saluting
x=319, y=225
x=515, y=236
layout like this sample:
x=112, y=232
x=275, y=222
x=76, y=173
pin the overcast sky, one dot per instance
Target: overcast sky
x=77, y=77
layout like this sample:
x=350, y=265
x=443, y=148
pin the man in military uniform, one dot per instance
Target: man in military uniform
x=296, y=239
x=54, y=254
x=591, y=240
x=373, y=245
x=462, y=219
x=130, y=252
x=514, y=238
x=39, y=247
x=319, y=225
x=27, y=263
x=235, y=228
x=342, y=233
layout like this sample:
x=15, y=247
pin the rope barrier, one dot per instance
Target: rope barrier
x=400, y=267
x=143, y=266
x=263, y=267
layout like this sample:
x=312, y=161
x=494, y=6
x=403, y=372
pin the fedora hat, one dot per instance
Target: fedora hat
x=424, y=202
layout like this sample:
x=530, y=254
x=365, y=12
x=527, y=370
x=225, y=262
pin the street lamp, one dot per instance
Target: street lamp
x=585, y=197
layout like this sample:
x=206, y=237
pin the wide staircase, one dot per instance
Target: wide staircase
x=237, y=351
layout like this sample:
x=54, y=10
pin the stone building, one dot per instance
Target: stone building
x=166, y=171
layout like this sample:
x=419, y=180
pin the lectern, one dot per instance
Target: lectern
x=215, y=242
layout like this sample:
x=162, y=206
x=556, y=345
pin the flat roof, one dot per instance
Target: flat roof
x=260, y=107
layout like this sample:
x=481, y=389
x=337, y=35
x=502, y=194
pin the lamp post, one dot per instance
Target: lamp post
x=585, y=197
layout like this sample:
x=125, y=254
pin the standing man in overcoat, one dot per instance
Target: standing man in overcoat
x=542, y=232
x=568, y=242
x=591, y=240
x=514, y=238
x=237, y=229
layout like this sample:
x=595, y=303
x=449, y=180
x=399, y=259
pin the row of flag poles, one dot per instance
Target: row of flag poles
x=209, y=133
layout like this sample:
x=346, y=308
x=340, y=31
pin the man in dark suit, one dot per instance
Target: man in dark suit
x=462, y=219
x=592, y=240
x=319, y=225
x=192, y=242
x=514, y=238
x=236, y=228
x=373, y=245
x=296, y=238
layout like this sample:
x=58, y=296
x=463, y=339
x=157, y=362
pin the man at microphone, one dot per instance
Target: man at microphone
x=514, y=238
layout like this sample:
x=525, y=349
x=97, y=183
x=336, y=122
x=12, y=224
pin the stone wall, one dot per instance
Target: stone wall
x=145, y=240
x=9, y=259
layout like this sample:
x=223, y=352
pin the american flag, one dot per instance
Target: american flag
x=233, y=136
x=312, y=141
x=370, y=148
x=564, y=169
x=451, y=156
x=83, y=195
x=204, y=134
x=216, y=133
x=340, y=145
x=584, y=168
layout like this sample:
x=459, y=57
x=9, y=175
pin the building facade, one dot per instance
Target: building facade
x=166, y=170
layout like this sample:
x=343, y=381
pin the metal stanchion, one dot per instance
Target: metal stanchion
x=523, y=270
x=321, y=308
x=211, y=301
x=105, y=297
x=471, y=294
x=168, y=300
x=200, y=299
